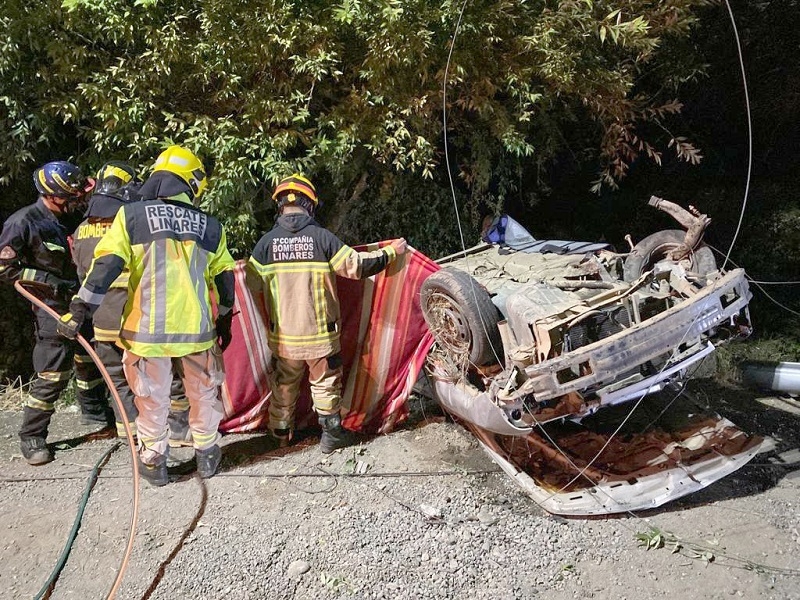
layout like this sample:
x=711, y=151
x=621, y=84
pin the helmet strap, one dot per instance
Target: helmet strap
x=301, y=202
x=56, y=204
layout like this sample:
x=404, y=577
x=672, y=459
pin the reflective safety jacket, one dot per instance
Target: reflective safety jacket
x=107, y=319
x=296, y=264
x=176, y=254
x=34, y=247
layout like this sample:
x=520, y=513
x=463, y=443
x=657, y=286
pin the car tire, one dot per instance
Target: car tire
x=461, y=316
x=655, y=247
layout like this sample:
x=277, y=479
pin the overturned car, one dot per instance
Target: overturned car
x=534, y=337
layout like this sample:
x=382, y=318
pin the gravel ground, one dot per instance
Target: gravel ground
x=433, y=518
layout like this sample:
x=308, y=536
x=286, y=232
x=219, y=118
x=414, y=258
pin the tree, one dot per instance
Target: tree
x=348, y=92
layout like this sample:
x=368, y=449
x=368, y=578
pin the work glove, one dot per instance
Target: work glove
x=223, y=327
x=64, y=289
x=70, y=324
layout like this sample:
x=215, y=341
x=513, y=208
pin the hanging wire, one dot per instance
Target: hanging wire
x=760, y=287
x=749, y=133
x=450, y=178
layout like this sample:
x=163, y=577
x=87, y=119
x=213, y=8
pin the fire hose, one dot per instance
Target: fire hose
x=128, y=434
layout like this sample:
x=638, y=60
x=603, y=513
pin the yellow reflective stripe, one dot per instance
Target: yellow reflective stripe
x=152, y=440
x=308, y=336
x=28, y=275
x=122, y=280
x=106, y=335
x=170, y=349
x=319, y=302
x=82, y=358
x=274, y=293
x=43, y=182
x=257, y=266
x=179, y=405
x=294, y=267
x=121, y=429
x=89, y=384
x=204, y=439
x=299, y=340
x=341, y=256
x=55, y=375
x=112, y=171
x=37, y=404
x=320, y=340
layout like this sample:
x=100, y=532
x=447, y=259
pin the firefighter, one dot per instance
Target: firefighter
x=175, y=254
x=116, y=185
x=295, y=265
x=34, y=248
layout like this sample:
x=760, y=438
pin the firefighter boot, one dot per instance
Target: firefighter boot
x=282, y=436
x=179, y=432
x=208, y=461
x=35, y=450
x=334, y=436
x=155, y=473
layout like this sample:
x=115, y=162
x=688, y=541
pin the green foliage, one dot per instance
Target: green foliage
x=652, y=539
x=349, y=92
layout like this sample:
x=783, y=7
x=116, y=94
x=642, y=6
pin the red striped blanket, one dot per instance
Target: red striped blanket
x=384, y=344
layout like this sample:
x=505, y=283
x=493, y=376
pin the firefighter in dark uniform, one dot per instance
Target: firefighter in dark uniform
x=34, y=248
x=117, y=185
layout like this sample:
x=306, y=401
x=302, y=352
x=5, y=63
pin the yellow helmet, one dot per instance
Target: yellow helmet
x=183, y=163
x=296, y=183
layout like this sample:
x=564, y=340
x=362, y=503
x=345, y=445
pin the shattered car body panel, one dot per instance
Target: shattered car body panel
x=649, y=473
x=526, y=338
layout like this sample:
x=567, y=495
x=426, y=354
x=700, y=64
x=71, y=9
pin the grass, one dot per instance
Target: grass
x=13, y=392
x=767, y=349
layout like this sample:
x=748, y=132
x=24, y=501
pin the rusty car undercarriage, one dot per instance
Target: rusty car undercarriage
x=535, y=337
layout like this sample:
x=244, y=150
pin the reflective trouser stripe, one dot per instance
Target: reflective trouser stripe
x=121, y=429
x=32, y=402
x=88, y=385
x=82, y=358
x=179, y=405
x=55, y=375
x=147, y=441
x=205, y=440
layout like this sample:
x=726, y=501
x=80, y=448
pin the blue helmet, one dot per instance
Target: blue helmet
x=62, y=179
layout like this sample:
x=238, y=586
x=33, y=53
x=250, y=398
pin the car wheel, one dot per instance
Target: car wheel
x=655, y=248
x=461, y=316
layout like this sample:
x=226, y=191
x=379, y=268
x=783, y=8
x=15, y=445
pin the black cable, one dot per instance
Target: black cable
x=76, y=525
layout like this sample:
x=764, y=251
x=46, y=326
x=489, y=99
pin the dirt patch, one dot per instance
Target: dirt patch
x=430, y=519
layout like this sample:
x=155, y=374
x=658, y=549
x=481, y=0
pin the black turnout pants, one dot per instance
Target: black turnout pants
x=54, y=359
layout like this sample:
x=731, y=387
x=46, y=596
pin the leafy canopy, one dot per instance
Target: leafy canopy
x=349, y=92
